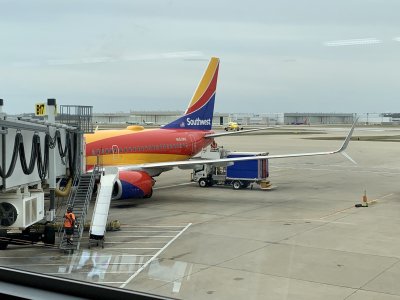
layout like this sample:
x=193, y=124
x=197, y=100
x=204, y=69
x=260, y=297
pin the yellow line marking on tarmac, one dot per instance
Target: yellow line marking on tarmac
x=336, y=212
x=343, y=210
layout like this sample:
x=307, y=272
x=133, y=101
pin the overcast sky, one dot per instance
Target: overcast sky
x=276, y=56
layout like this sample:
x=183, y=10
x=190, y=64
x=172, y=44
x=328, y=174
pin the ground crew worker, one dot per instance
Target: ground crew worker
x=69, y=225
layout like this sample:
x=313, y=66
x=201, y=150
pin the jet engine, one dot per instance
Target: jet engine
x=133, y=184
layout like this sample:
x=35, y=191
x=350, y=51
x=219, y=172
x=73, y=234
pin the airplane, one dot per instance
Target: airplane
x=148, y=122
x=140, y=155
x=234, y=126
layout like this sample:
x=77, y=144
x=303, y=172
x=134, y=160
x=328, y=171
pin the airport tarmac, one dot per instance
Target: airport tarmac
x=302, y=240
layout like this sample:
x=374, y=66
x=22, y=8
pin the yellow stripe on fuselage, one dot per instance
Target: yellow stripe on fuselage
x=205, y=81
x=133, y=158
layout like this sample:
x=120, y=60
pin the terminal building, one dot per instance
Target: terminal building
x=164, y=117
x=148, y=117
x=159, y=118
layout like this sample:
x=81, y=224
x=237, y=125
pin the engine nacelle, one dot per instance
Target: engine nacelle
x=133, y=184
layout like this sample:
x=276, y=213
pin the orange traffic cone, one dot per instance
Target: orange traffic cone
x=365, y=199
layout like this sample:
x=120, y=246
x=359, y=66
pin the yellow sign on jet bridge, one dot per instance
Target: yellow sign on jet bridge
x=40, y=109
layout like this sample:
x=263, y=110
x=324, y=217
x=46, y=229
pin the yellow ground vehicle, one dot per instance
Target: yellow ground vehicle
x=233, y=126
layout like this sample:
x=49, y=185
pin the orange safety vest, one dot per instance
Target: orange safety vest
x=69, y=220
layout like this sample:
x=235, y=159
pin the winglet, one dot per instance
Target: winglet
x=348, y=138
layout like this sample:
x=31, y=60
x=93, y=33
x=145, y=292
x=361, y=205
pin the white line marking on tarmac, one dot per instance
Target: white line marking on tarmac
x=153, y=226
x=154, y=257
x=175, y=185
x=140, y=248
x=117, y=248
x=135, y=242
x=62, y=264
x=132, y=242
x=34, y=249
x=67, y=256
x=190, y=272
x=151, y=231
x=86, y=272
x=142, y=236
x=111, y=282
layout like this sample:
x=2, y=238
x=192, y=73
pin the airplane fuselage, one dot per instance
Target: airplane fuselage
x=137, y=146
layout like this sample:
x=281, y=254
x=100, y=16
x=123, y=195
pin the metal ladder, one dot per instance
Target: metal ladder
x=79, y=201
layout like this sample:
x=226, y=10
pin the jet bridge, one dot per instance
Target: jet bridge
x=34, y=152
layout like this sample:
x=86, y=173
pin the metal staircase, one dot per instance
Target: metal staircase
x=79, y=200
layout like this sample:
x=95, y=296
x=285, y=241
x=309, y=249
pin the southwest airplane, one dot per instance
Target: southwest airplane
x=142, y=154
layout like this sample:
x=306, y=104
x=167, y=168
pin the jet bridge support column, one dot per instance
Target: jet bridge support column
x=51, y=104
x=3, y=142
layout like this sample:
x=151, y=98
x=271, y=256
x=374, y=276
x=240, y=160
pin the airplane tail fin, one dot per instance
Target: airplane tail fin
x=200, y=111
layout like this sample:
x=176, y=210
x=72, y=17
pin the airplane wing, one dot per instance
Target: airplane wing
x=188, y=164
x=213, y=135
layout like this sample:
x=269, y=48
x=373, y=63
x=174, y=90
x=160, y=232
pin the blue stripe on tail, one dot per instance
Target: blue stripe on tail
x=200, y=119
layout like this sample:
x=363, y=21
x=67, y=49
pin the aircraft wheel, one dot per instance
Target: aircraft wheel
x=203, y=182
x=236, y=185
